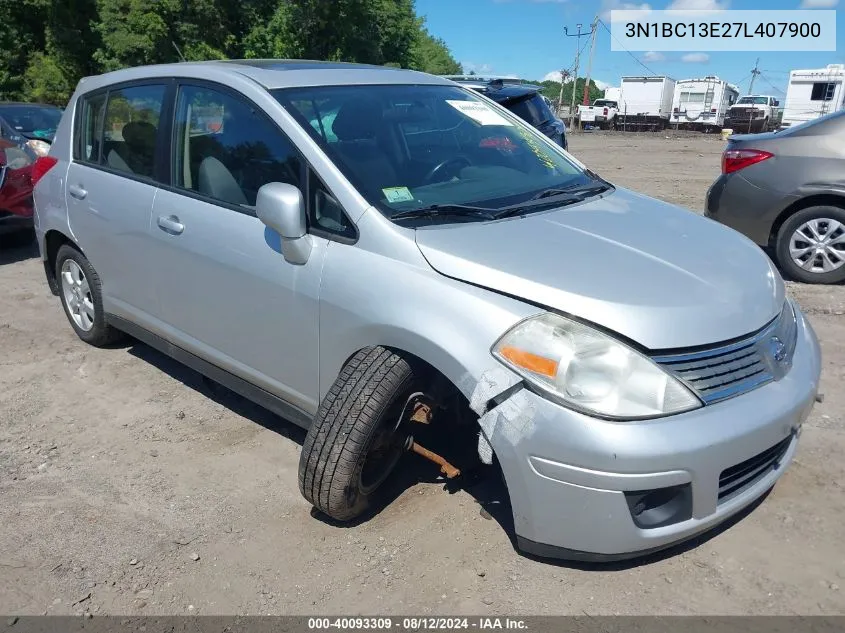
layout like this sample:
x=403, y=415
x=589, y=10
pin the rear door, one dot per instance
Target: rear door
x=111, y=185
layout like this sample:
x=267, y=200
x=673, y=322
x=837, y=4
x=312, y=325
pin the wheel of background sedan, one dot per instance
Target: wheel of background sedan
x=79, y=291
x=811, y=245
x=358, y=434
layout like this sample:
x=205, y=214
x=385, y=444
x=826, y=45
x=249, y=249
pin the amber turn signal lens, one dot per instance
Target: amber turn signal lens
x=531, y=362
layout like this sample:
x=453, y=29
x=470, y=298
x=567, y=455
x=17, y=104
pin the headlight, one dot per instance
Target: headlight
x=590, y=371
x=41, y=148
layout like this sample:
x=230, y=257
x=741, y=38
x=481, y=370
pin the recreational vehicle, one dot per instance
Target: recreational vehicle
x=813, y=93
x=702, y=103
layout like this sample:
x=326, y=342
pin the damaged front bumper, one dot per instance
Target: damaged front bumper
x=588, y=489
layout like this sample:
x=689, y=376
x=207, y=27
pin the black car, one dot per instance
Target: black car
x=523, y=99
x=29, y=125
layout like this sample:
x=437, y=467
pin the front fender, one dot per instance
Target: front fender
x=367, y=298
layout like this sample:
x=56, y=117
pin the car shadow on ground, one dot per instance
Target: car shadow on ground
x=16, y=247
x=483, y=483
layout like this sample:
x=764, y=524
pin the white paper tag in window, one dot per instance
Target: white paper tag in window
x=397, y=194
x=478, y=112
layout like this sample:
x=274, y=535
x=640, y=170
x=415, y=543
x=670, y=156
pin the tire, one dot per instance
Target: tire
x=813, y=273
x=339, y=470
x=88, y=299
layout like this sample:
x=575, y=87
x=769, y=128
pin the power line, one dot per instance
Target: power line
x=634, y=57
x=771, y=85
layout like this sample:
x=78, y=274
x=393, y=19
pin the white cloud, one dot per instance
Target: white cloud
x=818, y=4
x=696, y=58
x=555, y=76
x=710, y=6
x=652, y=56
x=622, y=11
x=478, y=68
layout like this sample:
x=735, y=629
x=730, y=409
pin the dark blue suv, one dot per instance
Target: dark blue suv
x=523, y=99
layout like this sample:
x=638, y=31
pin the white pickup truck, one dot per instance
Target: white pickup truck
x=754, y=113
x=602, y=113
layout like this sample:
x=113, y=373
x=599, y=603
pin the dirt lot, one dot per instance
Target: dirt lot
x=129, y=486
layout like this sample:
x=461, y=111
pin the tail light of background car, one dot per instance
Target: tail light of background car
x=605, y=112
x=736, y=159
x=713, y=110
x=42, y=165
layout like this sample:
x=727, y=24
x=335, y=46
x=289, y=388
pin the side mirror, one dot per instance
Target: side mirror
x=281, y=208
x=776, y=103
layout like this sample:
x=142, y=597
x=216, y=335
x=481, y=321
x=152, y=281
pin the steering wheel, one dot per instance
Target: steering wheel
x=440, y=169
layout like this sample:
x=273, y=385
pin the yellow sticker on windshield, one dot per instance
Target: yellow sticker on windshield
x=397, y=194
x=478, y=112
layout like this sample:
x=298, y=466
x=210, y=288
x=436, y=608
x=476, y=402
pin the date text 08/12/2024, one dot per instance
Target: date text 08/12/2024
x=416, y=623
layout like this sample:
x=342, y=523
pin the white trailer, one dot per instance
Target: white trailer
x=645, y=102
x=613, y=94
x=814, y=93
x=702, y=103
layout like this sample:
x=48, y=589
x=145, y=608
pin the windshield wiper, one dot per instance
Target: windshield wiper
x=436, y=210
x=558, y=196
x=581, y=190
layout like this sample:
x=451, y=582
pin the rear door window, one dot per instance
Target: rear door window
x=532, y=109
x=130, y=130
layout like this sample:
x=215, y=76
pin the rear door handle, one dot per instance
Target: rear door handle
x=77, y=192
x=170, y=224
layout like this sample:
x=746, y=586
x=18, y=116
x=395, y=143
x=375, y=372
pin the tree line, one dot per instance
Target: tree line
x=46, y=46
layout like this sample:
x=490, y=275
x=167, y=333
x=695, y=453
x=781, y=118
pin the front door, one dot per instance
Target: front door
x=111, y=185
x=227, y=293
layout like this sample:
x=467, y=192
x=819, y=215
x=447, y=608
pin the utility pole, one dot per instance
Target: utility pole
x=594, y=30
x=578, y=35
x=563, y=75
x=754, y=74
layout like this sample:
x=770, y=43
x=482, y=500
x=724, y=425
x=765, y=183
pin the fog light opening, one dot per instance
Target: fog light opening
x=661, y=506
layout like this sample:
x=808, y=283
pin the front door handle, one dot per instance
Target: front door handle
x=77, y=192
x=170, y=224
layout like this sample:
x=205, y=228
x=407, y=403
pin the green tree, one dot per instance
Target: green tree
x=431, y=55
x=46, y=81
x=46, y=46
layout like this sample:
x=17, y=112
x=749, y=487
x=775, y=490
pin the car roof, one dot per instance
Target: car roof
x=271, y=73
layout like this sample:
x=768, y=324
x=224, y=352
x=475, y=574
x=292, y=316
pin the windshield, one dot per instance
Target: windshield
x=408, y=147
x=32, y=120
x=754, y=100
x=604, y=103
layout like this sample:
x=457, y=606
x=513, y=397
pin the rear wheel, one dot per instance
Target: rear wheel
x=811, y=245
x=359, y=433
x=79, y=290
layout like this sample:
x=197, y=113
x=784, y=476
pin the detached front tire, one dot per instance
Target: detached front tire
x=82, y=299
x=810, y=245
x=358, y=434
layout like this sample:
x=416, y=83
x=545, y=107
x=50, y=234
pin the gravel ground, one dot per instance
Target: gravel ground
x=129, y=486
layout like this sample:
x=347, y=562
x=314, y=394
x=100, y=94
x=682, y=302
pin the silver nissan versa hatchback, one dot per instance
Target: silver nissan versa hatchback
x=367, y=250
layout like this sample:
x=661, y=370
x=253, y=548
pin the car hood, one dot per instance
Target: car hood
x=657, y=274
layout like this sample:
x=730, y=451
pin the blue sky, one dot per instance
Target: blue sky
x=525, y=38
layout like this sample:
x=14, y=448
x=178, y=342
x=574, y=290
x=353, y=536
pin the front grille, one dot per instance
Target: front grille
x=736, y=479
x=721, y=373
x=728, y=370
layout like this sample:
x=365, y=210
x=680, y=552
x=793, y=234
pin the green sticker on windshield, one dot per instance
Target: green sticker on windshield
x=397, y=194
